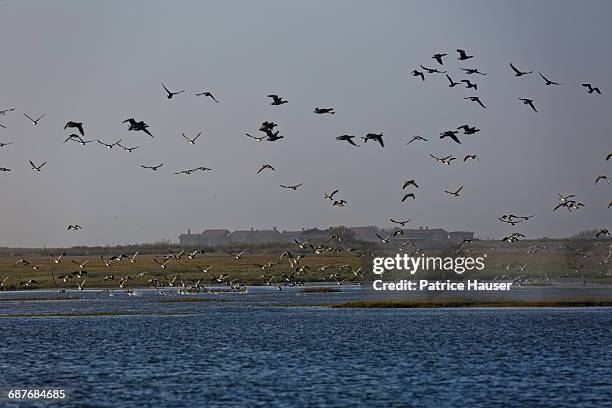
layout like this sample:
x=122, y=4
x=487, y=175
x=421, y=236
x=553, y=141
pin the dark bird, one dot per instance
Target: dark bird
x=548, y=81
x=265, y=166
x=418, y=73
x=463, y=56
x=469, y=84
x=444, y=160
x=602, y=178
x=348, y=138
x=409, y=183
x=604, y=232
x=277, y=100
x=171, y=94
x=5, y=111
x=528, y=102
x=471, y=156
x=340, y=203
x=154, y=168
x=517, y=72
x=208, y=94
x=607, y=157
x=295, y=187
x=75, y=125
x=414, y=138
x=433, y=70
x=475, y=99
x=591, y=89
x=452, y=84
x=374, y=136
x=74, y=227
x=4, y=169
x=2, y=126
x=454, y=193
x=321, y=111
x=136, y=126
x=452, y=134
x=408, y=195
x=467, y=130
x=330, y=196
x=271, y=137
x=8, y=143
x=402, y=223
x=35, y=121
x=470, y=71
x=438, y=57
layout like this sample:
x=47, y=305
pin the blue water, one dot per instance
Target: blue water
x=254, y=350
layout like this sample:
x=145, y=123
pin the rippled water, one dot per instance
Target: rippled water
x=253, y=350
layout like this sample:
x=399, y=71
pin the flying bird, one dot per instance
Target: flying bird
x=528, y=102
x=208, y=94
x=74, y=227
x=295, y=187
x=469, y=84
x=321, y=111
x=109, y=146
x=136, y=126
x=418, y=74
x=5, y=111
x=602, y=178
x=35, y=167
x=470, y=71
x=415, y=138
x=409, y=183
x=454, y=193
x=444, y=160
x=463, y=56
x=75, y=125
x=191, y=141
x=467, y=130
x=408, y=195
x=265, y=166
x=348, y=138
x=402, y=223
x=170, y=95
x=591, y=89
x=548, y=81
x=374, y=136
x=35, y=121
x=475, y=99
x=8, y=143
x=432, y=70
x=154, y=168
x=471, y=156
x=438, y=57
x=259, y=139
x=452, y=134
x=518, y=72
x=452, y=83
x=277, y=100
x=330, y=196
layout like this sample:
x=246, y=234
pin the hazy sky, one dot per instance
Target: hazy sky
x=100, y=62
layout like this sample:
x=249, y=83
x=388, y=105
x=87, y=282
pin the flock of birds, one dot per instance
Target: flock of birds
x=270, y=134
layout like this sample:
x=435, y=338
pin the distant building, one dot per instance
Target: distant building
x=459, y=236
x=216, y=237
x=209, y=237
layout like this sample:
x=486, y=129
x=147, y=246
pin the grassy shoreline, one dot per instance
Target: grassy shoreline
x=412, y=304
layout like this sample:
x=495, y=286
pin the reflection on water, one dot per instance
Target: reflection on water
x=253, y=350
